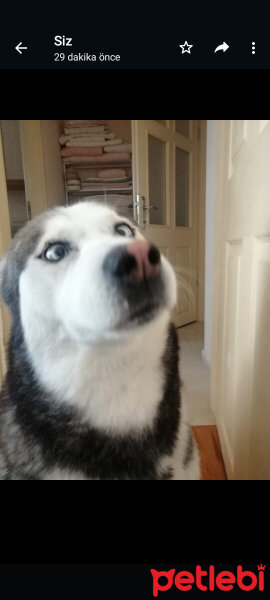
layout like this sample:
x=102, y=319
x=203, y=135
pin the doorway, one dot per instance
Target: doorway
x=169, y=194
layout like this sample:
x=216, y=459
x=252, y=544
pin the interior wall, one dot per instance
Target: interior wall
x=17, y=210
x=12, y=149
x=53, y=168
x=14, y=172
x=122, y=129
x=209, y=238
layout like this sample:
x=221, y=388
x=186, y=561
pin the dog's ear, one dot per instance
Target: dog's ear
x=14, y=261
x=2, y=265
x=9, y=281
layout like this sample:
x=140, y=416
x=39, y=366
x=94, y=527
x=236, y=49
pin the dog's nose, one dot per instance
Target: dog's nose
x=146, y=257
x=135, y=261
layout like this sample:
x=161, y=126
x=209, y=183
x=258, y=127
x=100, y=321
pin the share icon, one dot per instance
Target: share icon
x=223, y=47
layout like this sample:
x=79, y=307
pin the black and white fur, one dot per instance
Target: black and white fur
x=92, y=389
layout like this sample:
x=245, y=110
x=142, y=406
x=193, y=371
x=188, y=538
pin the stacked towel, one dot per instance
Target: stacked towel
x=81, y=151
x=91, y=142
x=71, y=173
x=86, y=137
x=107, y=173
x=73, y=180
x=84, y=123
x=88, y=142
x=90, y=138
x=92, y=135
x=119, y=148
x=107, y=183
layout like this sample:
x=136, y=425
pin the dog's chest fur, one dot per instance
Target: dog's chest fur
x=116, y=386
x=57, y=436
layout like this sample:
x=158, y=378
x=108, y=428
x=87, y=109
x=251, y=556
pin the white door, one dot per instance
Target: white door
x=241, y=321
x=165, y=169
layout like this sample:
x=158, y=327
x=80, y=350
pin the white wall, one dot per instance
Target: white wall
x=209, y=237
x=122, y=129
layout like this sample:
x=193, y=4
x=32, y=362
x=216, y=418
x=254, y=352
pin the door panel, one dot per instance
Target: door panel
x=182, y=191
x=240, y=387
x=229, y=347
x=183, y=127
x=157, y=180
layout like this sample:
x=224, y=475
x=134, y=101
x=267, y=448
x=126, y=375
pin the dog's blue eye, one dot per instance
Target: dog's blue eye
x=56, y=252
x=124, y=229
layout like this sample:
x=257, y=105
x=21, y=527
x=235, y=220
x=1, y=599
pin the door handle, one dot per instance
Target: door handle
x=140, y=207
x=149, y=207
x=145, y=208
x=136, y=209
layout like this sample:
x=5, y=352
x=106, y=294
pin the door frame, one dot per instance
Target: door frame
x=222, y=142
x=201, y=224
x=33, y=166
x=222, y=152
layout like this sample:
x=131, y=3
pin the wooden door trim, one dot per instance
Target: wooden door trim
x=222, y=148
x=33, y=166
x=217, y=279
x=201, y=195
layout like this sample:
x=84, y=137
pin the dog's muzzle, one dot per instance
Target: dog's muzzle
x=135, y=270
x=133, y=263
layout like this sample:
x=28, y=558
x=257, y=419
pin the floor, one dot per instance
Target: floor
x=195, y=379
x=195, y=375
x=212, y=465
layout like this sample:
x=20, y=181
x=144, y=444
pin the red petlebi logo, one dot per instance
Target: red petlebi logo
x=208, y=580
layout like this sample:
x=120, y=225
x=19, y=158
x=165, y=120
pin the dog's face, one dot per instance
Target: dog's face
x=86, y=272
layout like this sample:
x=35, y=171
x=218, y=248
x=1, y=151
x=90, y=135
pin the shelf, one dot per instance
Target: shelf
x=100, y=193
x=113, y=165
x=127, y=192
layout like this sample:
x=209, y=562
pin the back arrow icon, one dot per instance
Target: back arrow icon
x=19, y=47
x=223, y=47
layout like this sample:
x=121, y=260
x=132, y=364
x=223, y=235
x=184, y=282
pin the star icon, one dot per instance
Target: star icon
x=185, y=47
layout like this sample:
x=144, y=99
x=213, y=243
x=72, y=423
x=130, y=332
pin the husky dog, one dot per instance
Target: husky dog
x=92, y=389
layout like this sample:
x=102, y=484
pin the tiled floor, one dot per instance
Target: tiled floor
x=195, y=378
x=195, y=375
